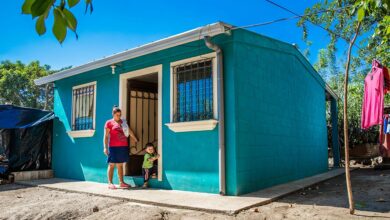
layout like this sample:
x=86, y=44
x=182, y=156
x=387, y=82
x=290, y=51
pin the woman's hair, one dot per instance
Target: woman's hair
x=115, y=109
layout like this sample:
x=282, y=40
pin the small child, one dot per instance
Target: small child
x=148, y=167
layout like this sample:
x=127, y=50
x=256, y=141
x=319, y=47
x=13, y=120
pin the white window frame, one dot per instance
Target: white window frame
x=201, y=125
x=88, y=132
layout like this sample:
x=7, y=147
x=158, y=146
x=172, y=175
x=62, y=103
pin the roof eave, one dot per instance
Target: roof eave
x=175, y=40
x=331, y=92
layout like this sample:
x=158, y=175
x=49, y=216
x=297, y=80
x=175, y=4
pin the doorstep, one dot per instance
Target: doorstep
x=186, y=200
x=32, y=175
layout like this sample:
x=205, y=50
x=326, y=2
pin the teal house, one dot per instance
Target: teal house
x=230, y=111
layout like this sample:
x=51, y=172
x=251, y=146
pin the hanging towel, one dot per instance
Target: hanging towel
x=372, y=109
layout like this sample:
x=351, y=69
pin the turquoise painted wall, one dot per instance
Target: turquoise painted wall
x=190, y=159
x=275, y=120
x=281, y=130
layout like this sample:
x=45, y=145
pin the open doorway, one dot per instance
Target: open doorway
x=142, y=117
x=147, y=79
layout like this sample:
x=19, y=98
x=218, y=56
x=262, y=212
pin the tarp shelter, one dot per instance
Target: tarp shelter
x=25, y=139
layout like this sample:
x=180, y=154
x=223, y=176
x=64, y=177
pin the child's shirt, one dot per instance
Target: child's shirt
x=148, y=164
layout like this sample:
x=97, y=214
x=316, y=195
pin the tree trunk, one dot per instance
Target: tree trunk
x=346, y=140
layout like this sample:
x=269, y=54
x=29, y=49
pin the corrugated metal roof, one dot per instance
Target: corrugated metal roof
x=182, y=38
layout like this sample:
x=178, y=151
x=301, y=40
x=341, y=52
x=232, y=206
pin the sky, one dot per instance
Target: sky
x=115, y=26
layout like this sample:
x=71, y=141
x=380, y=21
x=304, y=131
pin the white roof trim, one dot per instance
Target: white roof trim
x=175, y=40
x=331, y=92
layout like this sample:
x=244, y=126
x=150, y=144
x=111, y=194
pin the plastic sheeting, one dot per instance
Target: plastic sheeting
x=19, y=117
x=25, y=139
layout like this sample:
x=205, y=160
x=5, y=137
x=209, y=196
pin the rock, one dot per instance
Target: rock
x=95, y=209
x=256, y=210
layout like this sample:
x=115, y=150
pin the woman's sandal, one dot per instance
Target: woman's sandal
x=111, y=186
x=124, y=186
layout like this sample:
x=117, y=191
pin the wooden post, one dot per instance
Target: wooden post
x=346, y=140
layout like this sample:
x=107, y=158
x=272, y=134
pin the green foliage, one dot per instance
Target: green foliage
x=377, y=45
x=64, y=19
x=17, y=85
x=59, y=27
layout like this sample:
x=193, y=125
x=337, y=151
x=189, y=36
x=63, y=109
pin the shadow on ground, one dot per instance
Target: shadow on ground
x=371, y=192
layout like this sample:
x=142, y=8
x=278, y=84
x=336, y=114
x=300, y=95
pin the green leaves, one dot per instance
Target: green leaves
x=70, y=19
x=59, y=26
x=360, y=14
x=26, y=8
x=40, y=26
x=63, y=18
x=17, y=84
x=72, y=3
x=39, y=7
x=88, y=4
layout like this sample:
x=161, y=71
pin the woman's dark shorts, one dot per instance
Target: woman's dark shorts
x=118, y=154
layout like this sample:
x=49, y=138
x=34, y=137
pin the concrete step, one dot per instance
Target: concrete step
x=32, y=175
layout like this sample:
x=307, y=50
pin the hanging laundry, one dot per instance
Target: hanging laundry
x=386, y=78
x=376, y=84
x=386, y=124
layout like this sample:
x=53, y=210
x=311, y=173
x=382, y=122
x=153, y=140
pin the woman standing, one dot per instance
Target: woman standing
x=116, y=146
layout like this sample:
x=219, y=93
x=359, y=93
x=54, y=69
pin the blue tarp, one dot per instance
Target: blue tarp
x=25, y=139
x=18, y=117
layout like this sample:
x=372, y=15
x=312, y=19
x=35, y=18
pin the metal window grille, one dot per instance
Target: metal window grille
x=193, y=91
x=83, y=106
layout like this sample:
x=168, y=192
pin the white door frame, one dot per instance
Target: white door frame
x=123, y=103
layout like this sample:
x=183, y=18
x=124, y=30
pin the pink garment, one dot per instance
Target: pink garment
x=372, y=111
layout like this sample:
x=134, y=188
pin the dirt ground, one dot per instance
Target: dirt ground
x=326, y=200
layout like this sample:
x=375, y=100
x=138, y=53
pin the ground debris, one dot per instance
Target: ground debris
x=95, y=209
x=164, y=215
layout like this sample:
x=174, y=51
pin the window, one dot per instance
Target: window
x=83, y=110
x=193, y=91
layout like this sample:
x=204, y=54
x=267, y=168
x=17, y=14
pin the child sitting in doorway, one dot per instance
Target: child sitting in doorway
x=148, y=167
